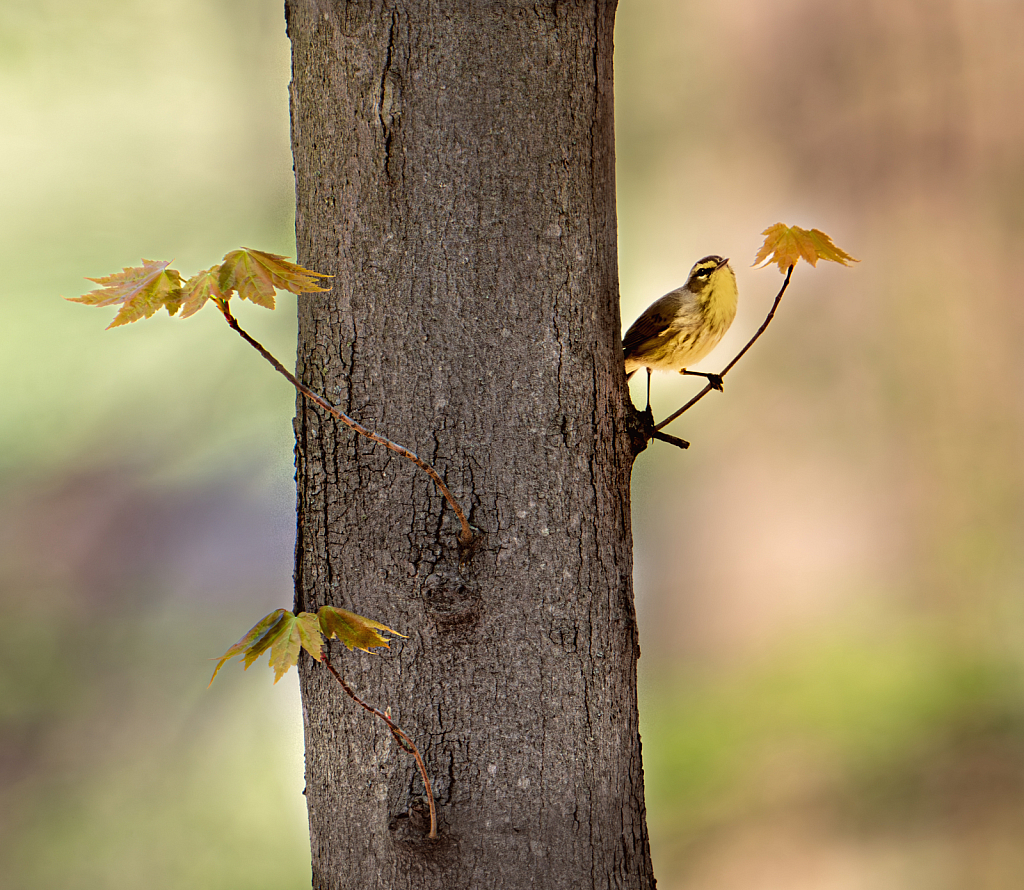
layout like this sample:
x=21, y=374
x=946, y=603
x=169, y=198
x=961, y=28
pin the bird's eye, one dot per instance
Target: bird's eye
x=703, y=273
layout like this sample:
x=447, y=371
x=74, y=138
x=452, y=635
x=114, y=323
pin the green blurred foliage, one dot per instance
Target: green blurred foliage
x=136, y=129
x=145, y=510
x=139, y=776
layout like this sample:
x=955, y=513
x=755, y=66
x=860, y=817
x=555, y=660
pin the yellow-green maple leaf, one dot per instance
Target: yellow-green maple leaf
x=294, y=632
x=353, y=630
x=284, y=634
x=255, y=276
x=786, y=244
x=141, y=290
x=256, y=633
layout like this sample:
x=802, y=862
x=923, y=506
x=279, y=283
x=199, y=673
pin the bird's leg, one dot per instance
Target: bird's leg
x=714, y=379
x=648, y=389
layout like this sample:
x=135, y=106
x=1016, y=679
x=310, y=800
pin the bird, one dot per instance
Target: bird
x=683, y=326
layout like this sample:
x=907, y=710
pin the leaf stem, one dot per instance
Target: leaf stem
x=466, y=537
x=739, y=355
x=403, y=740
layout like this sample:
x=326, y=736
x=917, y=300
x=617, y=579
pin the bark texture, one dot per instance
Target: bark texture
x=454, y=164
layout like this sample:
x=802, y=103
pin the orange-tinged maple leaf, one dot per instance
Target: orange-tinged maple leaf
x=353, y=630
x=786, y=244
x=141, y=290
x=198, y=289
x=255, y=275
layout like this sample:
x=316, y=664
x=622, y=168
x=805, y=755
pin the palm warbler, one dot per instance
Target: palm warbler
x=684, y=325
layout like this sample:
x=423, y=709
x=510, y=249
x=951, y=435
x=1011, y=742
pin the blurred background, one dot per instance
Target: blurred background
x=829, y=581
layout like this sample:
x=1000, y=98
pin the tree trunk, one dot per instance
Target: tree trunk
x=454, y=164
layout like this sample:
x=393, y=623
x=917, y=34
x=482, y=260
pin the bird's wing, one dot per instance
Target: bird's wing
x=653, y=327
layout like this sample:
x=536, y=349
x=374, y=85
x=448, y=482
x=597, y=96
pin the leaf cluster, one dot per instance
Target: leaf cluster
x=286, y=634
x=786, y=244
x=251, y=274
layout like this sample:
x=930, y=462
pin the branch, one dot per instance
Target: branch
x=403, y=740
x=672, y=440
x=466, y=537
x=739, y=355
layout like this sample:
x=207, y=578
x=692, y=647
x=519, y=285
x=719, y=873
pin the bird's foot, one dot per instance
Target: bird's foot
x=714, y=380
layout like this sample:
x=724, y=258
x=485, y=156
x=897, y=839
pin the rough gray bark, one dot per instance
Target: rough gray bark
x=455, y=172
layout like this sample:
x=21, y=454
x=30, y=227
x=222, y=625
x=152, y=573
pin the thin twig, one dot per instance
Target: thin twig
x=466, y=537
x=739, y=355
x=403, y=741
x=672, y=440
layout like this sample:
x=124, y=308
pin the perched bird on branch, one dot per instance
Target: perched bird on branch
x=684, y=325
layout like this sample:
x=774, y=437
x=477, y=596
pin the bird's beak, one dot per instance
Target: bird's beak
x=724, y=262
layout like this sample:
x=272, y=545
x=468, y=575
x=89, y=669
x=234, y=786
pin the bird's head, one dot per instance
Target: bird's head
x=707, y=273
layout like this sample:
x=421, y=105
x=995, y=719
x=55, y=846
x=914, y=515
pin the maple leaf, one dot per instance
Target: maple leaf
x=256, y=633
x=292, y=633
x=353, y=630
x=141, y=290
x=786, y=244
x=198, y=289
x=255, y=275
x=284, y=634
